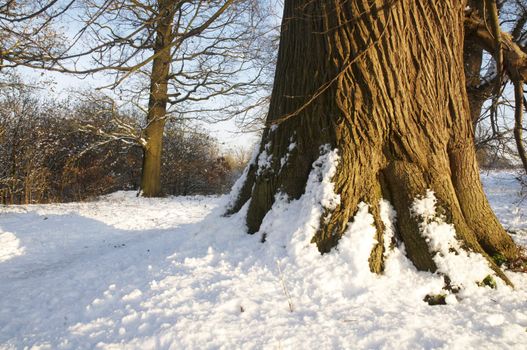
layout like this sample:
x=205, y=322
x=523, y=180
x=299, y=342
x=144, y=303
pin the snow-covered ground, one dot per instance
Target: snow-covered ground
x=134, y=273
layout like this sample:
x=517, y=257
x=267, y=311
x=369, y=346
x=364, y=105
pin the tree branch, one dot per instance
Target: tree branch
x=514, y=59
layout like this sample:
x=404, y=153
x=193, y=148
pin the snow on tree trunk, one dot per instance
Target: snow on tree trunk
x=383, y=86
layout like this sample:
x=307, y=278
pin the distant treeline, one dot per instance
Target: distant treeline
x=62, y=151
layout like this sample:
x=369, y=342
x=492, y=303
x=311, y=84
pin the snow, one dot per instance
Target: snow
x=389, y=219
x=238, y=184
x=465, y=269
x=136, y=273
x=10, y=246
x=265, y=159
x=285, y=158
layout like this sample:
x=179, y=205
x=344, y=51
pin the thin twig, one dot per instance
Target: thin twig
x=284, y=287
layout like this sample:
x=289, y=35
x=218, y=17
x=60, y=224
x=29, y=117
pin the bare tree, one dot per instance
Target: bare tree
x=185, y=59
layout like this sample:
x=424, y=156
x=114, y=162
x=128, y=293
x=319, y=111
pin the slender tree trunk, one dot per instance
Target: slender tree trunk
x=385, y=86
x=478, y=90
x=157, y=105
x=476, y=95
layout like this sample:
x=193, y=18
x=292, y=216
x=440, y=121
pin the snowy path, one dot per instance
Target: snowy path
x=129, y=273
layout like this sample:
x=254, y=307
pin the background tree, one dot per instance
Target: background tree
x=193, y=164
x=189, y=59
x=384, y=85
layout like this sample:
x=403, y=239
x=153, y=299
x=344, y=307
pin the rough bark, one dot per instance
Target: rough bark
x=477, y=91
x=157, y=105
x=383, y=83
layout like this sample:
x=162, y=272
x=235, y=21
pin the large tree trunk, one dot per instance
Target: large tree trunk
x=157, y=105
x=385, y=86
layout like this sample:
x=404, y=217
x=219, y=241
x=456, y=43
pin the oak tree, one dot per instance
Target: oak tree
x=381, y=82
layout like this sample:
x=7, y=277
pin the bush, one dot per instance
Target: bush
x=58, y=152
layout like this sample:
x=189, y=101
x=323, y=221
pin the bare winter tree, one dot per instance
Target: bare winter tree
x=188, y=59
x=384, y=85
